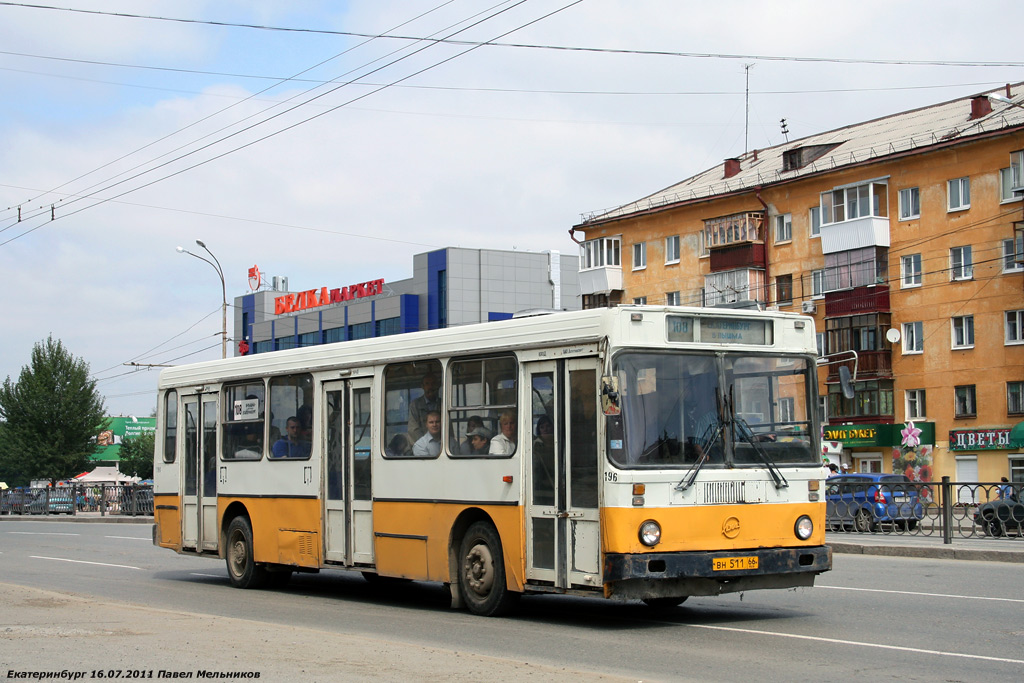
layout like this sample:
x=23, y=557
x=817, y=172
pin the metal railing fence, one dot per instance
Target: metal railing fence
x=105, y=499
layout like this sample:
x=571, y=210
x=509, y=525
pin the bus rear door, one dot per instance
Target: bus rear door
x=199, y=513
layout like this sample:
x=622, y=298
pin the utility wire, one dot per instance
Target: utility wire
x=494, y=43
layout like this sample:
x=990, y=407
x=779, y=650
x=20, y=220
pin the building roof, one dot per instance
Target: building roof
x=909, y=132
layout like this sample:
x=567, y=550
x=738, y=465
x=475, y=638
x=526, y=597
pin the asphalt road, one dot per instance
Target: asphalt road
x=86, y=598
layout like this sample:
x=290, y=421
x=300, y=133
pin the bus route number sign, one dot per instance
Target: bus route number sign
x=247, y=409
x=720, y=564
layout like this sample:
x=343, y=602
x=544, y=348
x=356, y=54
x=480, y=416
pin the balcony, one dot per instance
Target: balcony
x=869, y=231
x=604, y=279
x=867, y=299
x=870, y=365
x=749, y=255
x=733, y=230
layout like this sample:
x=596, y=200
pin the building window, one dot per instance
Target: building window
x=961, y=264
x=1015, y=398
x=858, y=201
x=818, y=284
x=1013, y=254
x=360, y=331
x=601, y=252
x=784, y=228
x=286, y=342
x=959, y=194
x=871, y=399
x=910, y=270
x=672, y=249
x=910, y=203
x=672, y=298
x=963, y=332
x=819, y=340
x=309, y=339
x=1010, y=178
x=857, y=332
x=913, y=337
x=915, y=404
x=1015, y=327
x=334, y=334
x=784, y=289
x=639, y=255
x=815, y=221
x=640, y=301
x=856, y=268
x=389, y=326
x=965, y=401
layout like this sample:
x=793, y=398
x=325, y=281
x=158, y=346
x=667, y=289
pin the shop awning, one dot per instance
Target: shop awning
x=1017, y=436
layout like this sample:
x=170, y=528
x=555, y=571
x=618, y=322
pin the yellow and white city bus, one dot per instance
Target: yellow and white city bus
x=647, y=453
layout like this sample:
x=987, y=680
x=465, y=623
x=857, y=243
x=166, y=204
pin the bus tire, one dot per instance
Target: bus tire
x=242, y=569
x=482, y=572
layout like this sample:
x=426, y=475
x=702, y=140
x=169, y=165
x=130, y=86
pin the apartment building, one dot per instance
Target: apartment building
x=903, y=237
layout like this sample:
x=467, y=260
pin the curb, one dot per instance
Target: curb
x=80, y=519
x=941, y=553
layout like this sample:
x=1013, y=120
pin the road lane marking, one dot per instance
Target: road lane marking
x=42, y=533
x=927, y=595
x=101, y=564
x=215, y=576
x=837, y=641
x=132, y=538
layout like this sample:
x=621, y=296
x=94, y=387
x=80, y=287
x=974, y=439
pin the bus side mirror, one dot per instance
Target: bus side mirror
x=845, y=383
x=610, y=395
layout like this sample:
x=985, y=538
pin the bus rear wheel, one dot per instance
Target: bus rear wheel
x=482, y=572
x=242, y=569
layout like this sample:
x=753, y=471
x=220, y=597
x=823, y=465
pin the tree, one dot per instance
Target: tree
x=49, y=418
x=136, y=456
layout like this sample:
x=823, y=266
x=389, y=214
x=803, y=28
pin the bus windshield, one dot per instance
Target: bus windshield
x=717, y=409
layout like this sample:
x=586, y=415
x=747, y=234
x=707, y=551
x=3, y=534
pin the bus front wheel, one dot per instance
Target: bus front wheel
x=482, y=572
x=242, y=569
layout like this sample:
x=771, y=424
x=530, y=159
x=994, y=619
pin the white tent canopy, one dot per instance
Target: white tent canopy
x=106, y=475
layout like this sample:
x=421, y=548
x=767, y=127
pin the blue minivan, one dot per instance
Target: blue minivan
x=864, y=501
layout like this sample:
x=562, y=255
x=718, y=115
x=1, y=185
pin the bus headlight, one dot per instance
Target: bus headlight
x=804, y=528
x=650, y=533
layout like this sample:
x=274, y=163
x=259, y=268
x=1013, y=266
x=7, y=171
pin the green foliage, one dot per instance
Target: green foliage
x=136, y=456
x=49, y=418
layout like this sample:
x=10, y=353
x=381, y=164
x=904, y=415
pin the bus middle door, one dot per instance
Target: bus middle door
x=347, y=495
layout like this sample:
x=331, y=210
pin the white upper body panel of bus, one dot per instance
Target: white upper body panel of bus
x=622, y=327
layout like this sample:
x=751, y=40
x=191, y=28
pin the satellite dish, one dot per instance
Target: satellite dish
x=893, y=335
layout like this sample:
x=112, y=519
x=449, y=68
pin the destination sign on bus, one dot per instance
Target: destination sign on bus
x=719, y=330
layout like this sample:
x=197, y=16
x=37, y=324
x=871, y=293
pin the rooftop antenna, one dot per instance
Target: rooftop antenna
x=746, y=98
x=785, y=131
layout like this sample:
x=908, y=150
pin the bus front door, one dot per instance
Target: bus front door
x=564, y=547
x=199, y=504
x=348, y=510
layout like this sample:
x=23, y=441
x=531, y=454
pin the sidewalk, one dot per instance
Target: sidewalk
x=981, y=548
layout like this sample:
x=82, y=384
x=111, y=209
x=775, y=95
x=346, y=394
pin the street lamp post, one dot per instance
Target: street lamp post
x=215, y=264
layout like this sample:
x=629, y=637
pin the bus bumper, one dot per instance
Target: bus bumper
x=661, y=575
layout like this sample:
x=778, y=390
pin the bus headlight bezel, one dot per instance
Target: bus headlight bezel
x=650, y=533
x=803, y=528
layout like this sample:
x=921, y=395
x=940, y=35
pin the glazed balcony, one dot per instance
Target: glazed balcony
x=868, y=299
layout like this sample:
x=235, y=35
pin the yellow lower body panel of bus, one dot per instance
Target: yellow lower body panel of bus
x=712, y=527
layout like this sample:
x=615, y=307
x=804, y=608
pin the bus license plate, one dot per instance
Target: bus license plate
x=733, y=563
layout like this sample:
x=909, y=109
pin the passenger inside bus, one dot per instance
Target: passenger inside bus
x=479, y=441
x=473, y=422
x=429, y=445
x=505, y=443
x=291, y=445
x=430, y=400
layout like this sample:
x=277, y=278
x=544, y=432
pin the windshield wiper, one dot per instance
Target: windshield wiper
x=748, y=434
x=704, y=445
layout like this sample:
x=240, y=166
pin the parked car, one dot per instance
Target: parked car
x=51, y=502
x=863, y=501
x=998, y=517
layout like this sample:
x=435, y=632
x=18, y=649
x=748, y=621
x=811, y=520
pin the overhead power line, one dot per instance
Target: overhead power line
x=533, y=46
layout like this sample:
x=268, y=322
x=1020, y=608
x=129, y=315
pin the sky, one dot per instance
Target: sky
x=335, y=150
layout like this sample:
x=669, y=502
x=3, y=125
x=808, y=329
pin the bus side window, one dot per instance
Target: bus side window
x=411, y=392
x=170, y=426
x=243, y=436
x=483, y=404
x=291, y=416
